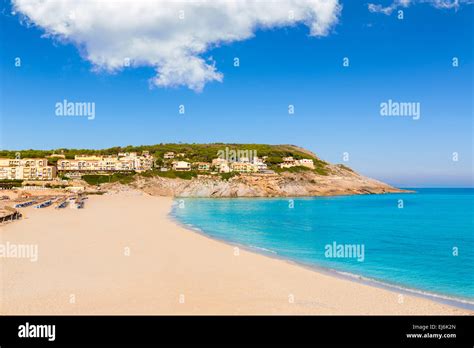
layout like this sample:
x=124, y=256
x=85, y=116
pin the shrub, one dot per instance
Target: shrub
x=123, y=178
x=171, y=174
x=321, y=171
x=345, y=167
x=296, y=169
x=227, y=176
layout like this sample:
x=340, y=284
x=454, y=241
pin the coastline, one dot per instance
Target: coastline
x=170, y=269
x=347, y=276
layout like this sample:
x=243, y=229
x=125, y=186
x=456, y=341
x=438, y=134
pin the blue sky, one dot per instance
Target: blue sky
x=336, y=108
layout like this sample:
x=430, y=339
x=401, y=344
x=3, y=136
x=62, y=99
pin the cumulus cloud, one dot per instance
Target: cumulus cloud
x=172, y=36
x=440, y=4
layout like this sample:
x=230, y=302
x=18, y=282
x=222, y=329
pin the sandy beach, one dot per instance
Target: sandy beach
x=123, y=254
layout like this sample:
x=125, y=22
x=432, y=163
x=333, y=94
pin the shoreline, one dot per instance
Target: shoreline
x=332, y=195
x=348, y=276
x=81, y=253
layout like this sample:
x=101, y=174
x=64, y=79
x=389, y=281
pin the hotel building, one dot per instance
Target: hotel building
x=289, y=162
x=26, y=169
x=123, y=162
x=243, y=167
x=181, y=166
x=221, y=165
x=202, y=166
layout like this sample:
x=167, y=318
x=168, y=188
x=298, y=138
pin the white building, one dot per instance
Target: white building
x=243, y=167
x=305, y=162
x=224, y=168
x=26, y=169
x=168, y=155
x=181, y=166
x=202, y=166
x=221, y=165
x=124, y=161
x=261, y=167
x=259, y=163
x=289, y=162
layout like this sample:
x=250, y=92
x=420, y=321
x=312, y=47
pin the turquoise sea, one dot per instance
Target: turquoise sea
x=421, y=241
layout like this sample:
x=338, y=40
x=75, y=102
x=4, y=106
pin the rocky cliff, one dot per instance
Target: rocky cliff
x=339, y=181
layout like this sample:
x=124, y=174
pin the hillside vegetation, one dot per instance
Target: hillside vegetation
x=192, y=153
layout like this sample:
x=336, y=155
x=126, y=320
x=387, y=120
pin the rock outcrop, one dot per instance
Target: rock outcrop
x=340, y=181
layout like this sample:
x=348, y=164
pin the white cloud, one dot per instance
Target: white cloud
x=154, y=33
x=440, y=4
